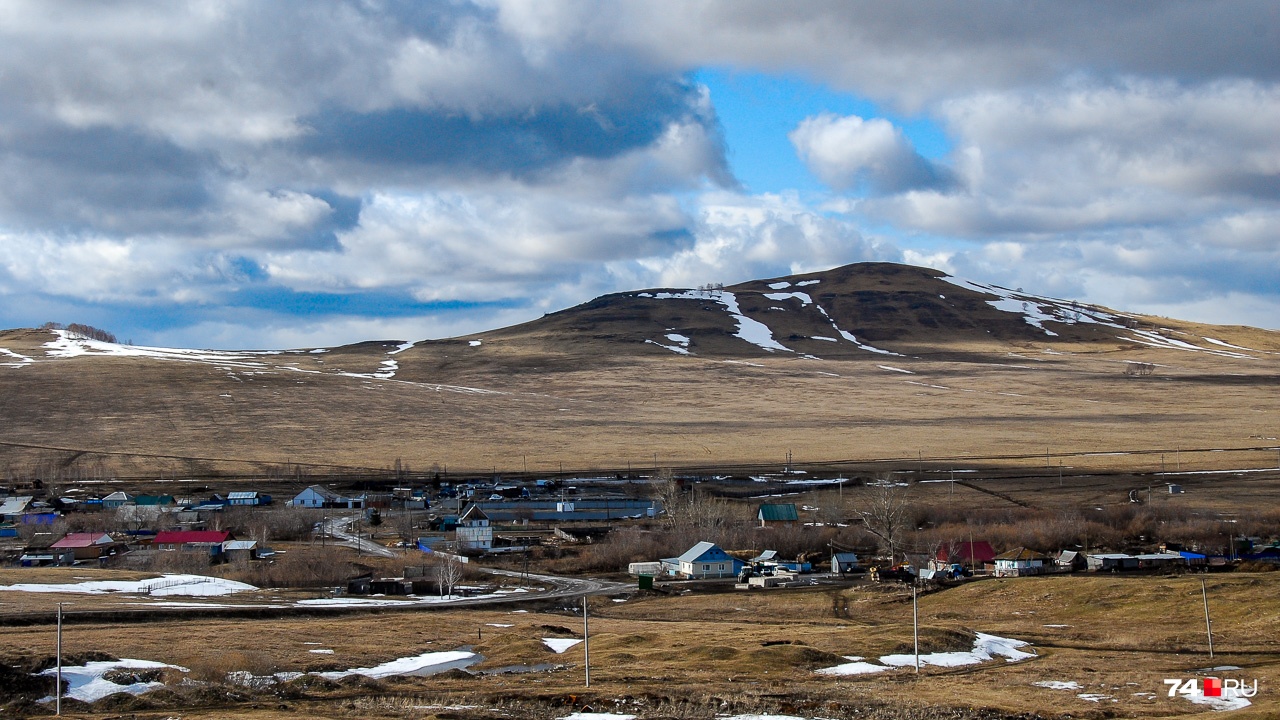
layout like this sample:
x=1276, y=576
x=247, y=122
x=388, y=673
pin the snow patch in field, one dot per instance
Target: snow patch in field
x=891, y=368
x=823, y=338
x=598, y=716
x=985, y=648
x=190, y=585
x=851, y=337
x=1058, y=684
x=401, y=348
x=428, y=663
x=68, y=345
x=802, y=297
x=22, y=360
x=753, y=331
x=559, y=645
x=779, y=285
x=804, y=283
x=474, y=343
x=87, y=684
x=1230, y=700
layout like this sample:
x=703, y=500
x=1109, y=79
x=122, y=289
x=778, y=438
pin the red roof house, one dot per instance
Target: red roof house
x=209, y=541
x=967, y=553
x=87, y=545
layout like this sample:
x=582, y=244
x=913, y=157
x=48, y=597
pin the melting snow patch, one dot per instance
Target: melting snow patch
x=779, y=285
x=474, y=343
x=87, y=684
x=803, y=283
x=597, y=716
x=559, y=645
x=428, y=663
x=985, y=648
x=753, y=331
x=22, y=360
x=802, y=297
x=401, y=348
x=1095, y=697
x=890, y=368
x=1058, y=684
x=822, y=337
x=199, y=585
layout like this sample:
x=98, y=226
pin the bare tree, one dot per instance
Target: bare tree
x=885, y=512
x=448, y=572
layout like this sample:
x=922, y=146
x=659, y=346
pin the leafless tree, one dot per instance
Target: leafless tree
x=448, y=572
x=885, y=512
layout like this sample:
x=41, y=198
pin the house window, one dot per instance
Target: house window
x=721, y=566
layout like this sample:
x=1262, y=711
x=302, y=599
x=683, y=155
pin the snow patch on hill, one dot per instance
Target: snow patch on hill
x=22, y=360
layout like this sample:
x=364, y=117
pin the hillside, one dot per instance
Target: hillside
x=868, y=362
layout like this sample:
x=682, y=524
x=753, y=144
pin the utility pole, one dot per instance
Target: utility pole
x=1208, y=627
x=915, y=621
x=58, y=691
x=586, y=643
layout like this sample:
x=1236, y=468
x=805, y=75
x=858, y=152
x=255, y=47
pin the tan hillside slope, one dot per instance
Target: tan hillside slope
x=869, y=361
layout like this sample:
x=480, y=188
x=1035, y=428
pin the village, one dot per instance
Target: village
x=609, y=527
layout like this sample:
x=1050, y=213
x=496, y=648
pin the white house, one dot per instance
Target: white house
x=474, y=531
x=117, y=499
x=1018, y=562
x=704, y=560
x=318, y=496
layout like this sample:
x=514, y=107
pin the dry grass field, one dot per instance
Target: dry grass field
x=702, y=655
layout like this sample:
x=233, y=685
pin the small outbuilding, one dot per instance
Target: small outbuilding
x=845, y=562
x=771, y=514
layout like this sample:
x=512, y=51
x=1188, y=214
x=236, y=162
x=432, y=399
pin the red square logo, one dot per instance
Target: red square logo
x=1212, y=687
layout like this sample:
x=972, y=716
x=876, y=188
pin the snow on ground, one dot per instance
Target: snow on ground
x=22, y=360
x=802, y=297
x=559, y=645
x=1230, y=700
x=198, y=585
x=753, y=716
x=68, y=345
x=779, y=285
x=1095, y=697
x=985, y=648
x=597, y=716
x=681, y=345
x=388, y=602
x=803, y=283
x=1058, y=684
x=85, y=682
x=850, y=336
x=753, y=331
x=401, y=348
x=891, y=368
x=428, y=663
x=474, y=343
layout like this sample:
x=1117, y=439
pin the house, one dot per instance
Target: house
x=845, y=562
x=318, y=496
x=41, y=553
x=14, y=507
x=248, y=497
x=240, y=550
x=704, y=560
x=88, y=545
x=208, y=542
x=474, y=531
x=1160, y=561
x=154, y=501
x=771, y=514
x=117, y=499
x=972, y=555
x=1019, y=562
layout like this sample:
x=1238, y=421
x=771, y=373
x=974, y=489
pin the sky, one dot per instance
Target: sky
x=309, y=173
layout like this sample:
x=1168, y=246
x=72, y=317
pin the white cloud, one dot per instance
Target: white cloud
x=847, y=151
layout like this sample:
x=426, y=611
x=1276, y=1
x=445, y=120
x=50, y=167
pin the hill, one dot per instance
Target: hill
x=868, y=362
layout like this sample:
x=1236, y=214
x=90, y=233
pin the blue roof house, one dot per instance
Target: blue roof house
x=704, y=560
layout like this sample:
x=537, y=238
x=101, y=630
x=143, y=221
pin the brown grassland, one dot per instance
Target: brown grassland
x=699, y=655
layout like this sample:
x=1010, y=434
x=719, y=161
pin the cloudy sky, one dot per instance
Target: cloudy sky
x=292, y=174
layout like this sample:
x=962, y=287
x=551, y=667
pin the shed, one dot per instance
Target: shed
x=844, y=562
x=14, y=507
x=40, y=552
x=248, y=497
x=1113, y=562
x=1072, y=561
x=240, y=550
x=777, y=514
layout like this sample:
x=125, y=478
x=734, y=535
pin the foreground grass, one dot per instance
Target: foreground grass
x=702, y=655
